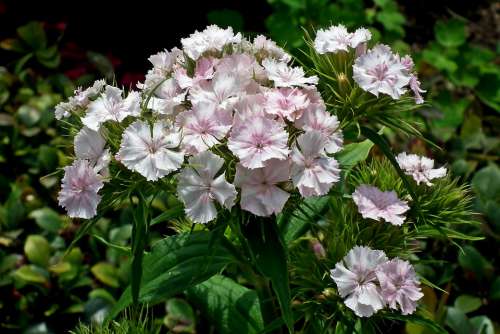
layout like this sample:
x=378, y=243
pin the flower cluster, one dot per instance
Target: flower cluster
x=378, y=70
x=369, y=281
x=222, y=115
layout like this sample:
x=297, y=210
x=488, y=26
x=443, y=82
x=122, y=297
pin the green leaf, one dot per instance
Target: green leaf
x=231, y=307
x=106, y=273
x=471, y=259
x=418, y=320
x=102, y=63
x=451, y=33
x=37, y=250
x=354, y=153
x=49, y=57
x=139, y=242
x=495, y=289
x=486, y=185
x=180, y=316
x=33, y=35
x=270, y=258
x=226, y=18
x=177, y=263
x=13, y=209
x=467, y=304
x=47, y=219
x=487, y=90
x=439, y=60
x=482, y=325
x=32, y=274
x=457, y=320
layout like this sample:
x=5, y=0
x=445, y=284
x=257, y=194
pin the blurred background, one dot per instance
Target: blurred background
x=48, y=48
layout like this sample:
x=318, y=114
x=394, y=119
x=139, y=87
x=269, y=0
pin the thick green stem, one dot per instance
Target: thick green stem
x=268, y=309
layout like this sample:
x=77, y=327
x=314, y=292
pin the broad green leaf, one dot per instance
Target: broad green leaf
x=139, y=241
x=439, y=60
x=495, y=289
x=33, y=35
x=418, y=320
x=28, y=115
x=471, y=259
x=466, y=303
x=488, y=90
x=482, y=325
x=180, y=316
x=231, y=307
x=450, y=33
x=106, y=273
x=457, y=320
x=226, y=18
x=177, y=263
x=37, y=250
x=486, y=184
x=354, y=153
x=47, y=219
x=32, y=274
x=13, y=210
x=270, y=258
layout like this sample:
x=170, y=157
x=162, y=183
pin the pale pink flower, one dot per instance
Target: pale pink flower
x=111, y=106
x=212, y=38
x=243, y=65
x=151, y=152
x=286, y=76
x=337, y=38
x=415, y=87
x=356, y=280
x=286, y=103
x=167, y=97
x=380, y=71
x=79, y=188
x=376, y=204
x=313, y=173
x=260, y=193
x=316, y=118
x=203, y=127
x=420, y=168
x=223, y=90
x=248, y=107
x=258, y=141
x=360, y=36
x=81, y=99
x=400, y=287
x=204, y=70
x=407, y=62
x=164, y=61
x=268, y=49
x=198, y=187
x=90, y=145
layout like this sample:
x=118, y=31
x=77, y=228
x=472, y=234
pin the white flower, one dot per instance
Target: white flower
x=80, y=99
x=380, y=71
x=223, y=90
x=287, y=103
x=420, y=168
x=376, y=204
x=150, y=152
x=313, y=173
x=198, y=187
x=79, y=188
x=212, y=38
x=164, y=61
x=260, y=193
x=89, y=145
x=287, y=76
x=167, y=97
x=356, y=280
x=270, y=49
x=337, y=38
x=111, y=107
x=316, y=118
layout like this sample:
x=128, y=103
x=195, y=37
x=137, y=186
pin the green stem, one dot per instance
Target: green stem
x=268, y=309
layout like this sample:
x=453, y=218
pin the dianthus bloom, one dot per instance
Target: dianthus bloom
x=380, y=71
x=420, y=168
x=337, y=38
x=80, y=99
x=151, y=152
x=199, y=188
x=212, y=38
x=288, y=103
x=78, y=194
x=286, y=76
x=376, y=204
x=90, y=145
x=357, y=282
x=399, y=285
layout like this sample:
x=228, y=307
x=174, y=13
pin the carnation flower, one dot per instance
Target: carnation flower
x=111, y=107
x=78, y=194
x=287, y=103
x=376, y=204
x=204, y=70
x=356, y=280
x=420, y=168
x=166, y=97
x=258, y=140
x=268, y=49
x=222, y=90
x=285, y=76
x=80, y=99
x=316, y=118
x=89, y=145
x=150, y=152
x=399, y=285
x=203, y=126
x=313, y=173
x=198, y=187
x=415, y=87
x=380, y=71
x=260, y=194
x=164, y=61
x=243, y=65
x=212, y=38
x=337, y=38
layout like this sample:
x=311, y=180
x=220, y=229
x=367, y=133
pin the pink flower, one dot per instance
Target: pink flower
x=376, y=204
x=203, y=126
x=337, y=38
x=407, y=62
x=243, y=65
x=198, y=187
x=316, y=118
x=223, y=90
x=399, y=285
x=415, y=87
x=212, y=38
x=356, y=280
x=258, y=141
x=205, y=68
x=420, y=168
x=78, y=194
x=287, y=76
x=164, y=61
x=287, y=103
x=260, y=194
x=151, y=152
x=313, y=173
x=167, y=97
x=269, y=49
x=89, y=145
x=81, y=99
x=380, y=71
